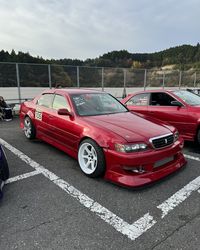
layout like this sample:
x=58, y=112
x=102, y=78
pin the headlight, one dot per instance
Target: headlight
x=128, y=148
x=176, y=136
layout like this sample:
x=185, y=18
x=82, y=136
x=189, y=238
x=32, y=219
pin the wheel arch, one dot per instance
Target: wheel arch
x=100, y=142
x=30, y=115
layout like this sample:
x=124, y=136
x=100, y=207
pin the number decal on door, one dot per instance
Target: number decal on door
x=38, y=115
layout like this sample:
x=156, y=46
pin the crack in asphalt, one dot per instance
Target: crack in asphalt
x=38, y=225
x=174, y=231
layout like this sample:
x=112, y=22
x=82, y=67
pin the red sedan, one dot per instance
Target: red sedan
x=103, y=135
x=179, y=108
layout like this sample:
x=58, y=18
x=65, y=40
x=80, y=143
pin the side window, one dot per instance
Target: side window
x=139, y=100
x=60, y=102
x=161, y=99
x=45, y=100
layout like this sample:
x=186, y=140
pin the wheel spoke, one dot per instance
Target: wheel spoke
x=88, y=164
x=87, y=150
x=94, y=158
x=93, y=151
x=92, y=165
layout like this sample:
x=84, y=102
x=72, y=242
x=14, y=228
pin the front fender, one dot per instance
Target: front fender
x=30, y=114
x=105, y=139
x=23, y=115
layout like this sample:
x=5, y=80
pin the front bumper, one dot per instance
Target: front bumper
x=118, y=163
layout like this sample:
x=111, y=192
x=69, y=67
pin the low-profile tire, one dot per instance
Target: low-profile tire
x=4, y=168
x=29, y=129
x=91, y=158
x=198, y=137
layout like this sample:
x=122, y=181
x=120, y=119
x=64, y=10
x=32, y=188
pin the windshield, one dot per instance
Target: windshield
x=188, y=97
x=96, y=104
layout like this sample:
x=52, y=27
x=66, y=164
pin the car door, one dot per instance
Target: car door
x=161, y=107
x=139, y=103
x=42, y=112
x=64, y=129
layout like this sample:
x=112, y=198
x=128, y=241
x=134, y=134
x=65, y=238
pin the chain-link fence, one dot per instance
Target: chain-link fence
x=20, y=81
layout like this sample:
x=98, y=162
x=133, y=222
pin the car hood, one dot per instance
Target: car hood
x=129, y=126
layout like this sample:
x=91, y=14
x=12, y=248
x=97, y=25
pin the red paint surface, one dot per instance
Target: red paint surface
x=66, y=133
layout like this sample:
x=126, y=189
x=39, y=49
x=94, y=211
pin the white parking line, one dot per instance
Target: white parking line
x=22, y=176
x=132, y=231
x=192, y=157
x=182, y=194
x=179, y=197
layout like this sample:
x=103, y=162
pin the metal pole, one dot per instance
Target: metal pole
x=77, y=75
x=18, y=82
x=163, y=83
x=49, y=73
x=180, y=79
x=145, y=79
x=102, y=79
x=195, y=79
x=124, y=90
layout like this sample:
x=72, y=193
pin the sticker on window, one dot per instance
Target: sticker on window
x=79, y=100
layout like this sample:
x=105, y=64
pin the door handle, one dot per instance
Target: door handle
x=50, y=116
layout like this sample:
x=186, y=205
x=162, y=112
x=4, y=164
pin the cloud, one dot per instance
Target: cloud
x=87, y=29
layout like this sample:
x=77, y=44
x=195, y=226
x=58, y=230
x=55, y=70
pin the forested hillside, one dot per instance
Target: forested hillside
x=182, y=57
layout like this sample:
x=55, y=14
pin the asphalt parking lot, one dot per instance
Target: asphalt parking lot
x=49, y=204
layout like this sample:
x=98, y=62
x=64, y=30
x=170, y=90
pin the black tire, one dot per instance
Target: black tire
x=5, y=173
x=29, y=129
x=96, y=153
x=198, y=137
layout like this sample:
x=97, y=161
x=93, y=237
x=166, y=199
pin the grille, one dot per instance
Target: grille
x=162, y=141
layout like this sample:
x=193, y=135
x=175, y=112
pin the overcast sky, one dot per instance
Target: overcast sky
x=89, y=28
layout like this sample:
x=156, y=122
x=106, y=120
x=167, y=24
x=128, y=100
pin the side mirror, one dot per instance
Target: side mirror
x=64, y=112
x=176, y=103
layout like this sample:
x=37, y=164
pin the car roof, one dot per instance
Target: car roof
x=71, y=91
x=156, y=90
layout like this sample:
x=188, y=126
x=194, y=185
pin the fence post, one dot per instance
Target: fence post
x=18, y=82
x=195, y=79
x=124, y=90
x=49, y=73
x=145, y=79
x=163, y=83
x=77, y=75
x=180, y=79
x=102, y=79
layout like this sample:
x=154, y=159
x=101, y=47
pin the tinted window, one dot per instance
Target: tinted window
x=188, y=97
x=60, y=102
x=139, y=100
x=161, y=99
x=45, y=100
x=96, y=104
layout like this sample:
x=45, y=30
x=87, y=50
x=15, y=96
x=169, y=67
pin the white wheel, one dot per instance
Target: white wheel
x=87, y=157
x=29, y=129
x=91, y=158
